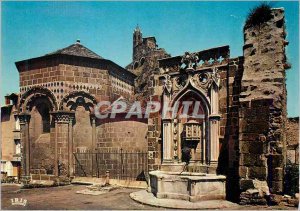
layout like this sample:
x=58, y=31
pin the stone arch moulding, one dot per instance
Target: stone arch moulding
x=205, y=102
x=190, y=88
x=37, y=92
x=78, y=98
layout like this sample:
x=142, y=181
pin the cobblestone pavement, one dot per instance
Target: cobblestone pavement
x=65, y=197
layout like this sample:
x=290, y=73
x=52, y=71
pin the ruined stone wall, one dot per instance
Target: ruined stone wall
x=230, y=88
x=253, y=149
x=292, y=139
x=263, y=108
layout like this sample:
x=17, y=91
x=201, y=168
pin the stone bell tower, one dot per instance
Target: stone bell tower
x=137, y=39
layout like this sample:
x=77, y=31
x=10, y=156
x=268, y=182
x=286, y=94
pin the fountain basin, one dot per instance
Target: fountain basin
x=187, y=186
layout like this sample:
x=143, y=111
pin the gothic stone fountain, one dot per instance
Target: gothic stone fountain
x=190, y=145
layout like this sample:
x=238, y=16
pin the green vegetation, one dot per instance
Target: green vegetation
x=258, y=15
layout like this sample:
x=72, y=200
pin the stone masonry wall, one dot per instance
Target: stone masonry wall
x=154, y=126
x=128, y=135
x=63, y=75
x=253, y=147
x=82, y=129
x=263, y=109
x=123, y=145
x=229, y=125
x=62, y=79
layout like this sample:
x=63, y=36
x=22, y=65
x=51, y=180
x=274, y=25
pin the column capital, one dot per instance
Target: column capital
x=166, y=120
x=24, y=117
x=63, y=116
x=214, y=117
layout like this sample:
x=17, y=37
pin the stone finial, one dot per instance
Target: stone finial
x=190, y=59
x=137, y=28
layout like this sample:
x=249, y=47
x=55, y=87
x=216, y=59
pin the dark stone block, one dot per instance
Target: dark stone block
x=258, y=173
x=276, y=187
x=275, y=160
x=254, y=147
x=246, y=184
x=277, y=174
x=261, y=102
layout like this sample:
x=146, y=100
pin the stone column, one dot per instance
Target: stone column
x=167, y=140
x=93, y=146
x=24, y=119
x=214, y=138
x=71, y=146
x=93, y=120
x=167, y=123
x=214, y=119
x=55, y=149
x=179, y=141
x=203, y=155
x=63, y=142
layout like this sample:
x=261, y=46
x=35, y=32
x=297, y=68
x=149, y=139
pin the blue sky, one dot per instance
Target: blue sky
x=31, y=29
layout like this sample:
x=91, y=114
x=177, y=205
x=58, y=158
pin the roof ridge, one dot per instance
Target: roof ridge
x=76, y=49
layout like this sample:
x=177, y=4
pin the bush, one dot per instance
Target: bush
x=258, y=15
x=291, y=179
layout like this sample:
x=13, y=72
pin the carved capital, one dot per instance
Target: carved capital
x=63, y=116
x=24, y=118
x=214, y=118
x=168, y=83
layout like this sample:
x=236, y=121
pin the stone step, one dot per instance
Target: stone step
x=42, y=177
